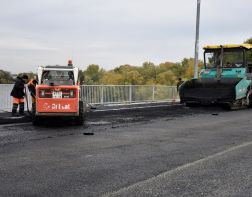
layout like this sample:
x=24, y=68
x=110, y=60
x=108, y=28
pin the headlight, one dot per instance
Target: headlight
x=42, y=93
x=71, y=93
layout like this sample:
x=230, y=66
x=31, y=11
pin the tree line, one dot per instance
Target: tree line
x=148, y=73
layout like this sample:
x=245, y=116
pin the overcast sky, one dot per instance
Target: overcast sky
x=114, y=32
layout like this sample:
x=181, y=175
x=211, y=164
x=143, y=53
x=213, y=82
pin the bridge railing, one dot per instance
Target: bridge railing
x=107, y=94
x=114, y=94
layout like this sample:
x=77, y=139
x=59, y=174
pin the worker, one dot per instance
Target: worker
x=32, y=89
x=18, y=94
x=179, y=83
x=228, y=65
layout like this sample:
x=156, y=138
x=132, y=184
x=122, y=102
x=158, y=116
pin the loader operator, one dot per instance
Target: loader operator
x=32, y=89
x=18, y=94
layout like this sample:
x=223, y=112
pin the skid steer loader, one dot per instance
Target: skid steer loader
x=58, y=94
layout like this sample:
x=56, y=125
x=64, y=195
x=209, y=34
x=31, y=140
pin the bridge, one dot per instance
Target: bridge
x=154, y=150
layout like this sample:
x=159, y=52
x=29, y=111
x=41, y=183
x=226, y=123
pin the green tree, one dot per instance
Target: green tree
x=177, y=69
x=149, y=73
x=129, y=74
x=6, y=77
x=249, y=53
x=113, y=78
x=166, y=78
x=188, y=64
x=93, y=74
x=133, y=77
x=249, y=41
x=81, y=77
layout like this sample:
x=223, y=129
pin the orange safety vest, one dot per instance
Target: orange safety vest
x=31, y=86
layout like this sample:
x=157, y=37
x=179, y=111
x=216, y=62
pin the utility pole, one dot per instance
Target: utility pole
x=196, y=54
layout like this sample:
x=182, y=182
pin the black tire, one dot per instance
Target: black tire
x=35, y=120
x=227, y=106
x=81, y=118
x=191, y=104
x=250, y=102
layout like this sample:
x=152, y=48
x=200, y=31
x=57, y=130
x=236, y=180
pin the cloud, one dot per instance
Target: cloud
x=115, y=32
x=15, y=43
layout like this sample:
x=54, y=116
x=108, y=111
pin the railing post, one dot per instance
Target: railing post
x=153, y=93
x=130, y=93
x=174, y=94
x=102, y=100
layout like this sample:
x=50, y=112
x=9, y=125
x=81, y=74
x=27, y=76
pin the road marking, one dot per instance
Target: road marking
x=132, y=108
x=180, y=168
x=15, y=124
x=99, y=123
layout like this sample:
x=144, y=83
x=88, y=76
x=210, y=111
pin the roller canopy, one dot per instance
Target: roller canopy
x=228, y=46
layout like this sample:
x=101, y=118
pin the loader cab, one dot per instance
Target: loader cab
x=227, y=61
x=57, y=75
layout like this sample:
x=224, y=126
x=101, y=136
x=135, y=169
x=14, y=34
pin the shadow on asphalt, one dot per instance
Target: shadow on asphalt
x=98, y=118
x=58, y=123
x=115, y=117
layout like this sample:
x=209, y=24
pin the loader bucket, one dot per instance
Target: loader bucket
x=207, y=91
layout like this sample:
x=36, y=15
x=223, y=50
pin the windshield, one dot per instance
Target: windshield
x=55, y=77
x=212, y=59
x=232, y=58
x=249, y=57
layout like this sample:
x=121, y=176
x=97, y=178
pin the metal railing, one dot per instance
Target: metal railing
x=6, y=99
x=107, y=94
x=117, y=94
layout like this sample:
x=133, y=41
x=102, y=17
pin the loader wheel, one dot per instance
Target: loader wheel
x=227, y=106
x=35, y=121
x=191, y=104
x=81, y=118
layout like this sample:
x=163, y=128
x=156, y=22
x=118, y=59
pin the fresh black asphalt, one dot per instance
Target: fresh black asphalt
x=169, y=151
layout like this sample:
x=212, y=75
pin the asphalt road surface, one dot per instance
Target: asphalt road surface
x=164, y=151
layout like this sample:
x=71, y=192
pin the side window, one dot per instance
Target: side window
x=45, y=77
x=249, y=60
x=233, y=59
x=211, y=59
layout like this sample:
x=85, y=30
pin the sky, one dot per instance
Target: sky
x=111, y=33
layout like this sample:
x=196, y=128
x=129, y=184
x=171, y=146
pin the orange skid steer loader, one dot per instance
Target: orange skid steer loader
x=58, y=94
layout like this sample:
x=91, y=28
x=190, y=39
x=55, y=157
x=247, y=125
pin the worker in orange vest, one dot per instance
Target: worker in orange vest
x=18, y=94
x=32, y=89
